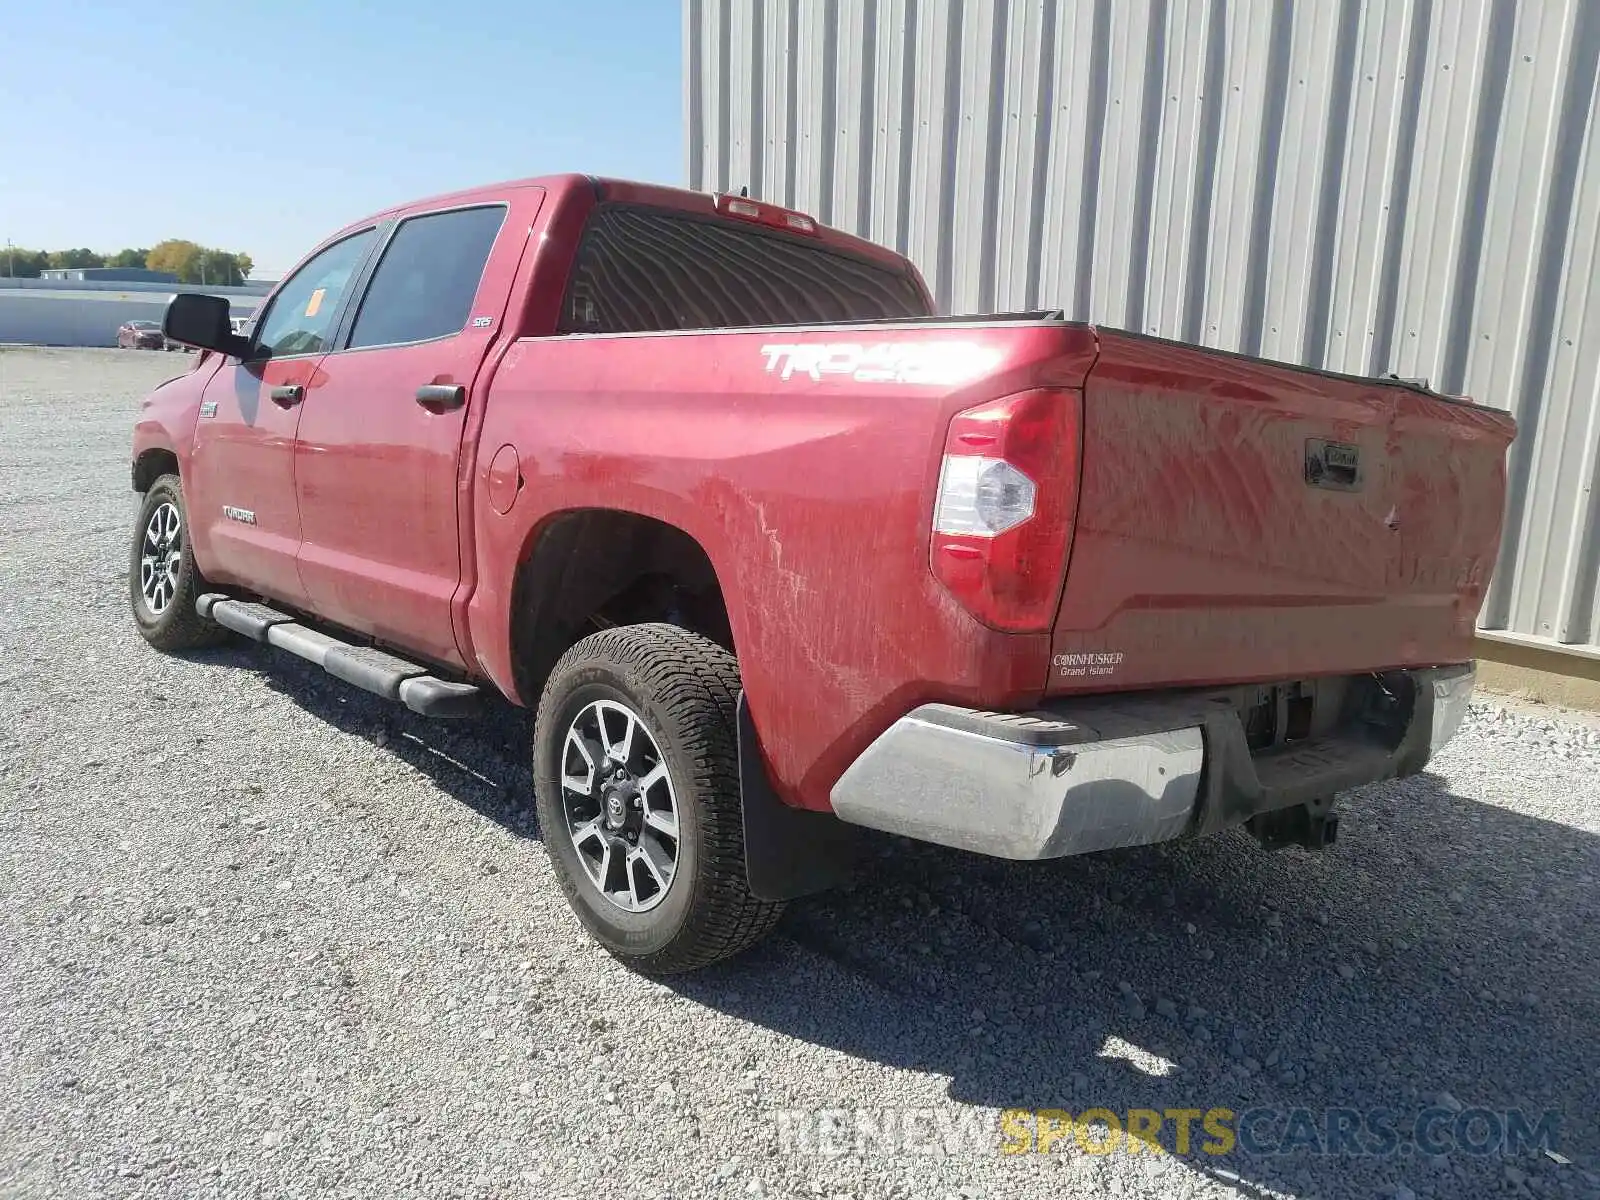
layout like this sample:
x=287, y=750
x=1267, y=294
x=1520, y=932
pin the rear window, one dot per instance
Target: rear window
x=645, y=269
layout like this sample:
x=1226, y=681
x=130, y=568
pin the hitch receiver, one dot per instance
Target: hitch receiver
x=1314, y=826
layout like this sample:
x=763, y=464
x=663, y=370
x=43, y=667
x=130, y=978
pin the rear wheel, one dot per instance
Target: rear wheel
x=637, y=773
x=163, y=580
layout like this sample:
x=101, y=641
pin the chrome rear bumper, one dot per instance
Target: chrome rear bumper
x=1119, y=771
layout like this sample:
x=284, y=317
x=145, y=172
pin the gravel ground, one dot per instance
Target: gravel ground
x=264, y=936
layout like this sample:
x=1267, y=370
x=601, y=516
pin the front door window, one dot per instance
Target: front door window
x=301, y=316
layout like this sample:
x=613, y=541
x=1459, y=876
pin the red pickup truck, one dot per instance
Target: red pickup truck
x=778, y=554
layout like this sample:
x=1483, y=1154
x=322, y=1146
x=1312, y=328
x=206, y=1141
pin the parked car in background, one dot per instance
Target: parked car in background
x=142, y=335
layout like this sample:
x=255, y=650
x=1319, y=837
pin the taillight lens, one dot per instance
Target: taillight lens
x=766, y=214
x=1002, y=519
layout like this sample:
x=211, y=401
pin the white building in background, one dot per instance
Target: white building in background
x=1367, y=186
x=66, y=311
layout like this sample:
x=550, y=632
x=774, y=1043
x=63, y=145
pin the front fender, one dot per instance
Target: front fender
x=167, y=418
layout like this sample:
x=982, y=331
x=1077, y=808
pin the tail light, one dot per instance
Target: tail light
x=764, y=214
x=1002, y=519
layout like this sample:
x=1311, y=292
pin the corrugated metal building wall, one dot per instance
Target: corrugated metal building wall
x=1363, y=185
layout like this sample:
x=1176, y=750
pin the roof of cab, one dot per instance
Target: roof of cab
x=621, y=191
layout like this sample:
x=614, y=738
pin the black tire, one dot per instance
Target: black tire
x=685, y=688
x=177, y=626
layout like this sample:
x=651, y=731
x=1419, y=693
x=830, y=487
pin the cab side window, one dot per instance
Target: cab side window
x=300, y=319
x=428, y=277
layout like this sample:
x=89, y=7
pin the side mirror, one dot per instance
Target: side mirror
x=202, y=321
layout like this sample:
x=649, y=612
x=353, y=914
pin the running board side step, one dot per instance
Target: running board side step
x=367, y=667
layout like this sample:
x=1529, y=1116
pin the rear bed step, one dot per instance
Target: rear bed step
x=367, y=667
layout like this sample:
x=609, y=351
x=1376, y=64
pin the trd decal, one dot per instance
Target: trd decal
x=208, y=408
x=884, y=362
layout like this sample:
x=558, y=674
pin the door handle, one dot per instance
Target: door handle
x=288, y=396
x=441, y=397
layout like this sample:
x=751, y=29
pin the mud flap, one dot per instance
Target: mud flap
x=788, y=852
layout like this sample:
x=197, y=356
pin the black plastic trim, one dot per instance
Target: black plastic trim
x=1237, y=783
x=241, y=616
x=309, y=644
x=367, y=667
x=433, y=697
x=788, y=852
x=441, y=397
x=370, y=668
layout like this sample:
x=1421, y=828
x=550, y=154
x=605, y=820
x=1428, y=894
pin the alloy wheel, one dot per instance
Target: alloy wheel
x=161, y=558
x=620, y=805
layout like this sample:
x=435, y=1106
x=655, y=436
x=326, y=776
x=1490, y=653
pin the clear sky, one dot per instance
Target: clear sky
x=262, y=126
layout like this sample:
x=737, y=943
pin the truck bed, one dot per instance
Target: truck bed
x=805, y=460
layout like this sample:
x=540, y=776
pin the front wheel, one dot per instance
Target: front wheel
x=163, y=580
x=637, y=780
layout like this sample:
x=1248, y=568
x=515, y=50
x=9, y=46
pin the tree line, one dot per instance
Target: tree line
x=189, y=261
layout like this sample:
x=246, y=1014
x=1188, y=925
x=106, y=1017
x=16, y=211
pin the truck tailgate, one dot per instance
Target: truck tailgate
x=1245, y=521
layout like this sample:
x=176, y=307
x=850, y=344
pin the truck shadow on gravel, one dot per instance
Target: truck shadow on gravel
x=482, y=763
x=1443, y=952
